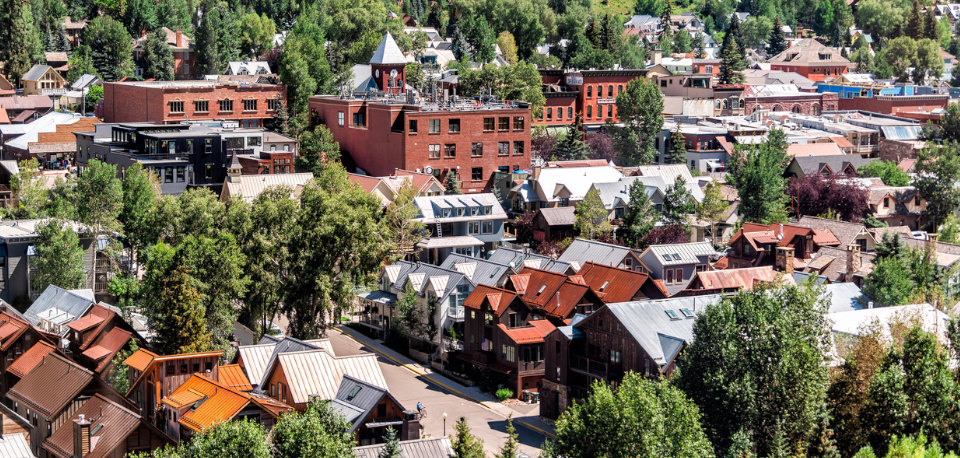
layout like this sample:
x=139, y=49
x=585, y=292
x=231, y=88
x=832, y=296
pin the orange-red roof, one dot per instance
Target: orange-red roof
x=140, y=360
x=553, y=293
x=30, y=359
x=842, y=142
x=613, y=284
x=84, y=323
x=11, y=328
x=740, y=279
x=498, y=298
x=234, y=376
x=530, y=334
x=222, y=403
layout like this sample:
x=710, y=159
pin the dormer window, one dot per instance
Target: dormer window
x=445, y=212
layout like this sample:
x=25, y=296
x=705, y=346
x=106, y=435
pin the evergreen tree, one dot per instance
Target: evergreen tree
x=593, y=33
x=640, y=108
x=140, y=16
x=391, y=447
x=735, y=34
x=571, y=147
x=639, y=217
x=931, y=26
x=509, y=448
x=21, y=45
x=914, y=27
x=452, y=184
x=460, y=46
x=677, y=154
x=217, y=41
x=698, y=46
x=757, y=173
x=81, y=63
x=111, y=48
x=179, y=322
x=591, y=216
x=157, y=58
x=778, y=42
x=59, y=259
x=678, y=204
x=731, y=61
x=465, y=444
x=682, y=42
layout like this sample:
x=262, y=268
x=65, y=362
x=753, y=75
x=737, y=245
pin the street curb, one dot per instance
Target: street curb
x=443, y=385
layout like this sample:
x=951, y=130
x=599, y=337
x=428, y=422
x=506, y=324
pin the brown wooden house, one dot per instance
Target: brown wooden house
x=371, y=410
x=97, y=337
x=17, y=336
x=613, y=284
x=551, y=224
x=639, y=336
x=103, y=428
x=154, y=377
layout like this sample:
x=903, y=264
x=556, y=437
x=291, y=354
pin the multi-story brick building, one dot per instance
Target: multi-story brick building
x=181, y=46
x=170, y=102
x=591, y=94
x=811, y=59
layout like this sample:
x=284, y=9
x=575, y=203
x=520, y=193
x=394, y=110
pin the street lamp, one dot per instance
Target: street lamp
x=444, y=423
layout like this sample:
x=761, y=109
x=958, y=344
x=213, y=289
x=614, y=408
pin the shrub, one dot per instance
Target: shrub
x=503, y=393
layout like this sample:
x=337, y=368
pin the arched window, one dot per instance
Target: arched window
x=796, y=109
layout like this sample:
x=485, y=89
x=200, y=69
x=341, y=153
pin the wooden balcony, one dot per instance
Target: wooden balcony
x=588, y=366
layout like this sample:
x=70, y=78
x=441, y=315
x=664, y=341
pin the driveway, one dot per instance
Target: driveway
x=487, y=420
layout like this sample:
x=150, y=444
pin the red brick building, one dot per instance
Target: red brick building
x=776, y=97
x=591, y=94
x=166, y=102
x=812, y=59
x=919, y=107
x=184, y=55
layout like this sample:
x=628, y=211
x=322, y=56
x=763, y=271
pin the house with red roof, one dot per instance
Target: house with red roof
x=103, y=428
x=97, y=337
x=153, y=377
x=786, y=246
x=17, y=337
x=386, y=188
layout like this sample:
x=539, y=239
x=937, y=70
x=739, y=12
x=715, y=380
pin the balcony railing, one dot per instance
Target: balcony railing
x=588, y=366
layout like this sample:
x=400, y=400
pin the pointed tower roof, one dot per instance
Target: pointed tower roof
x=388, y=52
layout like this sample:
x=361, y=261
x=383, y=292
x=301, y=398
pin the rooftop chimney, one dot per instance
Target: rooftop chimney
x=784, y=260
x=179, y=38
x=853, y=261
x=81, y=437
x=932, y=244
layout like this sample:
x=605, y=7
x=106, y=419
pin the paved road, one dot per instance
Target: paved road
x=409, y=388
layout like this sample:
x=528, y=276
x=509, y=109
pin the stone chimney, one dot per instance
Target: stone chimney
x=179, y=42
x=853, y=261
x=657, y=57
x=784, y=260
x=81, y=437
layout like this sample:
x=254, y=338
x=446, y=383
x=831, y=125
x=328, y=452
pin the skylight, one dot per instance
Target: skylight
x=676, y=256
x=672, y=314
x=666, y=257
x=687, y=312
x=96, y=429
x=353, y=392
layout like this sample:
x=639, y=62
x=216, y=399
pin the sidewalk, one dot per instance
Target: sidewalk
x=523, y=414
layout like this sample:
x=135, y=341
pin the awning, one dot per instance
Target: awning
x=378, y=296
x=450, y=242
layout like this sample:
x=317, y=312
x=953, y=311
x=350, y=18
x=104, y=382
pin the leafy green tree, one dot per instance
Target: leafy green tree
x=508, y=47
x=847, y=395
x=111, y=48
x=175, y=15
x=950, y=230
x=950, y=123
x=860, y=54
x=757, y=365
x=59, y=259
x=712, y=208
x=756, y=32
x=682, y=42
x=509, y=448
x=176, y=313
x=317, y=148
x=140, y=16
x=678, y=204
x=698, y=46
x=889, y=172
x=465, y=444
x=640, y=108
x=138, y=210
x=515, y=82
x=416, y=317
x=232, y=439
x=824, y=17
x=81, y=63
x=119, y=376
x=256, y=34
x=94, y=96
x=399, y=217
x=451, y=184
x=938, y=167
x=890, y=282
x=341, y=245
x=319, y=432
x=640, y=418
x=21, y=41
x=639, y=217
x=157, y=58
x=927, y=63
x=757, y=173
x=677, y=154
x=29, y=193
x=881, y=19
x=778, y=42
x=481, y=38
x=900, y=54
x=591, y=217
x=572, y=147
x=99, y=196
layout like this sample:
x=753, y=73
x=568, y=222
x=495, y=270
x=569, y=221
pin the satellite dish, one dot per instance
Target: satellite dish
x=428, y=169
x=393, y=73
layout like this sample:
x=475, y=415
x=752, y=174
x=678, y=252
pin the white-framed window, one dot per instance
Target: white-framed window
x=340, y=117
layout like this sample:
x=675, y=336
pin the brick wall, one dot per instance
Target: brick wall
x=145, y=103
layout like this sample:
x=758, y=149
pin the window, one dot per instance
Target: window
x=450, y=150
x=473, y=227
x=488, y=124
x=514, y=322
x=208, y=171
x=487, y=227
x=434, y=126
x=202, y=106
x=434, y=151
x=183, y=368
x=273, y=104
x=413, y=126
x=176, y=107
x=254, y=141
x=549, y=114
x=669, y=279
x=250, y=105
x=168, y=175
x=570, y=113
x=886, y=202
x=340, y=118
x=518, y=123
x=477, y=173
x=589, y=112
x=678, y=276
x=170, y=369
x=610, y=111
x=619, y=88
x=503, y=124
x=226, y=105
x=207, y=146
x=181, y=174
x=476, y=150
x=503, y=148
x=589, y=91
x=359, y=120
x=509, y=353
x=610, y=91
x=453, y=126
x=518, y=148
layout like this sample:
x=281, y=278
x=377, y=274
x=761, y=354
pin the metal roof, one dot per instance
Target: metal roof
x=14, y=445
x=317, y=373
x=577, y=180
x=355, y=399
x=517, y=260
x=51, y=385
x=902, y=132
x=582, y=251
x=478, y=271
x=434, y=447
x=430, y=208
x=248, y=187
x=682, y=253
x=398, y=273
x=388, y=52
x=661, y=335
x=111, y=424
x=844, y=297
x=57, y=304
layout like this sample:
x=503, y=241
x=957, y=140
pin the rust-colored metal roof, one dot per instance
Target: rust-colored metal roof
x=140, y=359
x=29, y=360
x=183, y=398
x=51, y=385
x=740, y=279
x=233, y=375
x=824, y=238
x=96, y=352
x=498, y=298
x=615, y=285
x=553, y=293
x=85, y=323
x=11, y=328
x=107, y=347
x=222, y=402
x=111, y=425
x=529, y=334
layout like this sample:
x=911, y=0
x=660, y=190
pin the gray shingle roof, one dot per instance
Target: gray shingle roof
x=559, y=216
x=836, y=163
x=582, y=251
x=844, y=231
x=516, y=258
x=57, y=304
x=35, y=72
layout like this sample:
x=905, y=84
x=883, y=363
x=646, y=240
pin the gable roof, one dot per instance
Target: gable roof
x=809, y=52
x=681, y=253
x=58, y=306
x=248, y=187
x=739, y=279
x=844, y=297
x=576, y=180
x=355, y=399
x=14, y=445
x=11, y=328
x=232, y=375
x=430, y=207
x=30, y=359
x=534, y=333
x=660, y=335
x=518, y=259
x=836, y=163
x=36, y=72
x=582, y=251
x=110, y=425
x=217, y=403
x=51, y=385
x=258, y=359
x=814, y=150
x=441, y=281
x=388, y=52
x=317, y=373
x=612, y=284
x=831, y=262
x=498, y=298
x=478, y=270
x=845, y=232
x=559, y=216
x=433, y=447
x=782, y=234
x=552, y=293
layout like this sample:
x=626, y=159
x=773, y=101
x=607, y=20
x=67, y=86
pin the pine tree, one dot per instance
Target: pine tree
x=157, y=59
x=778, y=43
x=678, y=148
x=571, y=147
x=608, y=33
x=510, y=447
x=593, y=33
x=914, y=28
x=452, y=185
x=181, y=325
x=391, y=448
x=931, y=27
x=465, y=444
x=698, y=46
x=734, y=32
x=460, y=47
x=731, y=61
